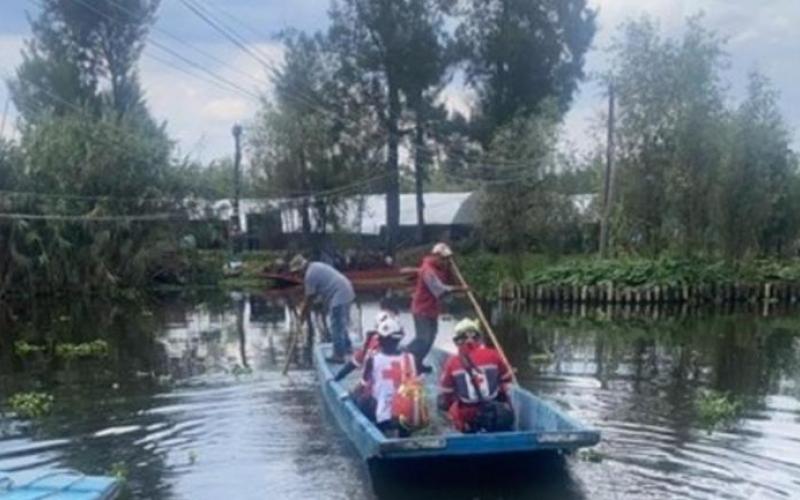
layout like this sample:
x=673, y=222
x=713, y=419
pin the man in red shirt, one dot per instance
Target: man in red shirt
x=474, y=386
x=425, y=303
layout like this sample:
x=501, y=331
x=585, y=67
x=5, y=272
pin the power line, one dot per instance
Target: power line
x=195, y=48
x=228, y=33
x=248, y=27
x=179, y=56
x=305, y=98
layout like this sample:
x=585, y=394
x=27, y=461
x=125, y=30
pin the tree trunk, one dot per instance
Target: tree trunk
x=392, y=170
x=419, y=170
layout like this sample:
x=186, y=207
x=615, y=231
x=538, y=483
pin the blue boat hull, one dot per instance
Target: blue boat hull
x=540, y=428
x=63, y=486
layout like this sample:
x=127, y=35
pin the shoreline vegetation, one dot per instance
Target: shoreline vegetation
x=584, y=279
x=535, y=278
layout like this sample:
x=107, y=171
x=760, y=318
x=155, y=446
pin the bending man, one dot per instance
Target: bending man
x=323, y=281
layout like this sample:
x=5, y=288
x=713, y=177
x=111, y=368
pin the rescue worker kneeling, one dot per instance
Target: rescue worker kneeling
x=474, y=386
x=392, y=394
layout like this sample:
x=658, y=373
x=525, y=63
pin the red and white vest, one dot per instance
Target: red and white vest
x=388, y=372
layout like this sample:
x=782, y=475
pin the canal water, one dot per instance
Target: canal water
x=190, y=402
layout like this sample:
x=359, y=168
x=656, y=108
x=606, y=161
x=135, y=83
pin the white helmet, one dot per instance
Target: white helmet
x=382, y=316
x=390, y=328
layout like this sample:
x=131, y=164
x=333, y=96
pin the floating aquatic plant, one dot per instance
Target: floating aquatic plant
x=95, y=349
x=716, y=409
x=31, y=404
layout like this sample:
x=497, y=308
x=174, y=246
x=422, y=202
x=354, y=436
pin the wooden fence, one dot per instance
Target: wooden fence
x=609, y=293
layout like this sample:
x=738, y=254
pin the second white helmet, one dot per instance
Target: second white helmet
x=381, y=317
x=390, y=328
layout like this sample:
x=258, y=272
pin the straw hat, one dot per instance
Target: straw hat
x=297, y=264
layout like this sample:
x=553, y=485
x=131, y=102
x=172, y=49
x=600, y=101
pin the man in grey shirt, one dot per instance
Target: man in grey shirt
x=325, y=282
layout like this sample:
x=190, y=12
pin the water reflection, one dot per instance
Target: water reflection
x=192, y=404
x=638, y=376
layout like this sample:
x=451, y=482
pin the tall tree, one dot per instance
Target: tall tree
x=424, y=77
x=83, y=54
x=521, y=52
x=376, y=40
x=670, y=135
x=89, y=143
x=756, y=201
x=307, y=140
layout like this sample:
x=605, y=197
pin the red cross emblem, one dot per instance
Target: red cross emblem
x=395, y=373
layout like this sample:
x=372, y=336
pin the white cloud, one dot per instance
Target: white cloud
x=200, y=111
x=760, y=35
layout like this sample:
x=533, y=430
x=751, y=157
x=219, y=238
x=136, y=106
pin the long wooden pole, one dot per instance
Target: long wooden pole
x=482, y=317
x=295, y=334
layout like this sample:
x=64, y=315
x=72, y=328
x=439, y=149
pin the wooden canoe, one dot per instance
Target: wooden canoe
x=540, y=427
x=361, y=279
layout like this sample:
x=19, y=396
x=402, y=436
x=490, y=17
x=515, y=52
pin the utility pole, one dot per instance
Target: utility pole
x=607, y=184
x=237, y=187
x=5, y=115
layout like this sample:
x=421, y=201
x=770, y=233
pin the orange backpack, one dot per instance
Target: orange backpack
x=409, y=405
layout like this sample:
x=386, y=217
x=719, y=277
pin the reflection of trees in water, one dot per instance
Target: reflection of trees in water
x=93, y=394
x=127, y=327
x=662, y=360
x=118, y=391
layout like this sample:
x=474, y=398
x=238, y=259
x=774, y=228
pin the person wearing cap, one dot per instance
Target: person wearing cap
x=323, y=281
x=383, y=374
x=430, y=288
x=474, y=388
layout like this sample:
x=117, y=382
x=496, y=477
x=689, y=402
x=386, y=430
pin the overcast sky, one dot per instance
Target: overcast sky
x=762, y=34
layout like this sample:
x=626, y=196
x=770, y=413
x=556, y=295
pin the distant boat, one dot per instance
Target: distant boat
x=361, y=278
x=540, y=427
x=62, y=486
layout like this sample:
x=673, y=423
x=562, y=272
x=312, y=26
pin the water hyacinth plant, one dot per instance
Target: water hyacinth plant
x=31, y=405
x=716, y=410
x=95, y=349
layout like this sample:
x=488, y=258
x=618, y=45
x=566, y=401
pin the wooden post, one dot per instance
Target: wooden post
x=237, y=186
x=607, y=181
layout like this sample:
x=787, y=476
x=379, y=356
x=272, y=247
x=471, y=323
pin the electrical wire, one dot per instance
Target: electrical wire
x=243, y=91
x=231, y=34
x=238, y=41
x=195, y=48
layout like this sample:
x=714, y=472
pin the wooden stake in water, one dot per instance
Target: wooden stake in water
x=295, y=333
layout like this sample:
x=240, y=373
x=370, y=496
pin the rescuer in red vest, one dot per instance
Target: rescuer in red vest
x=431, y=286
x=474, y=388
x=384, y=373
